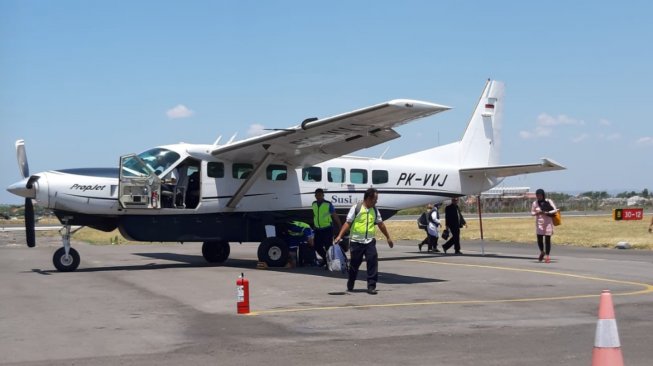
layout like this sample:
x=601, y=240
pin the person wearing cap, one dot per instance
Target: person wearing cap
x=543, y=209
x=454, y=221
x=324, y=215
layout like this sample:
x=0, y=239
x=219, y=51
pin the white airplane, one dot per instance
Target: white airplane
x=243, y=191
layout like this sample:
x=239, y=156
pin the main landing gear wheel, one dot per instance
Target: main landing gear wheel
x=274, y=252
x=216, y=251
x=66, y=263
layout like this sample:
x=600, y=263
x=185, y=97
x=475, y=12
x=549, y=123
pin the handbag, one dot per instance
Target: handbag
x=445, y=234
x=557, y=218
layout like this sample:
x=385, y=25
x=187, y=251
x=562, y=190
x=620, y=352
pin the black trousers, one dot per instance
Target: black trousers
x=323, y=240
x=432, y=241
x=358, y=251
x=454, y=240
x=541, y=241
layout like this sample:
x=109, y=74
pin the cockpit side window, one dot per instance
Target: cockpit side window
x=215, y=169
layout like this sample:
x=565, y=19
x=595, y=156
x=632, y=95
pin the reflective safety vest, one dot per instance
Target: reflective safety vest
x=363, y=228
x=297, y=228
x=322, y=214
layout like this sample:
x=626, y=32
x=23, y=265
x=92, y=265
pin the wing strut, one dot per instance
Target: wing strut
x=247, y=184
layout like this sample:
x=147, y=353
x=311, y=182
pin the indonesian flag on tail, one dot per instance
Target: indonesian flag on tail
x=489, y=107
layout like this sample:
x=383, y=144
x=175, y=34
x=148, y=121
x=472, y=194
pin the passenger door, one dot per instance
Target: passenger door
x=138, y=186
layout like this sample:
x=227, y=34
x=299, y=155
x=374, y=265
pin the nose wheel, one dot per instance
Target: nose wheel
x=66, y=259
x=66, y=262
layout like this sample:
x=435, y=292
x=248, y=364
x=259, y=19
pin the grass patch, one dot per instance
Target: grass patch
x=585, y=231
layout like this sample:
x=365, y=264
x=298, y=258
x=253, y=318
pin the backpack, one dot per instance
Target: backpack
x=423, y=221
x=337, y=260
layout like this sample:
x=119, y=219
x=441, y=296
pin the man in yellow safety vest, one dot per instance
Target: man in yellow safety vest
x=324, y=215
x=363, y=218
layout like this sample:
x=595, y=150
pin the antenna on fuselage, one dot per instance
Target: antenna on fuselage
x=232, y=138
x=217, y=141
x=384, y=151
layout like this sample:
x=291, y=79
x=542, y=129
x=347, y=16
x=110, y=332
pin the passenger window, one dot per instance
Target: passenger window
x=336, y=175
x=277, y=172
x=215, y=170
x=379, y=176
x=312, y=174
x=241, y=170
x=358, y=176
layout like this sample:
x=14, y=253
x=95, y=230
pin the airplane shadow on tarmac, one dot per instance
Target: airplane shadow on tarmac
x=197, y=261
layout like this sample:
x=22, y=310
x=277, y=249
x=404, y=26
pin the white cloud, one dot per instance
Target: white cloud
x=179, y=111
x=545, y=119
x=544, y=125
x=579, y=138
x=538, y=132
x=609, y=137
x=256, y=130
x=604, y=122
x=645, y=141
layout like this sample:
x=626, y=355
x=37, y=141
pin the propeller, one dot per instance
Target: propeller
x=21, y=156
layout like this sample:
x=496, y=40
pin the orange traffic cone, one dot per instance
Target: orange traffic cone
x=607, y=348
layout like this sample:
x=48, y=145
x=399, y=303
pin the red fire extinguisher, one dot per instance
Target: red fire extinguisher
x=242, y=287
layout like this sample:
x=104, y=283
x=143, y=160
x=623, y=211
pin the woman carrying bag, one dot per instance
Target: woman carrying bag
x=543, y=209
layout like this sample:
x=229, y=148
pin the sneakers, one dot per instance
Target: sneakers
x=372, y=291
x=548, y=259
x=541, y=257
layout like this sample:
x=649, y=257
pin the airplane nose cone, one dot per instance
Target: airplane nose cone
x=20, y=189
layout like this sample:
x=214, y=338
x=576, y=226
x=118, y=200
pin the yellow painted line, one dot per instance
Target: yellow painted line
x=647, y=289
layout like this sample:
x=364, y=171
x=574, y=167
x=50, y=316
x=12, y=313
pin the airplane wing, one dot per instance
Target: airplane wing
x=503, y=171
x=318, y=140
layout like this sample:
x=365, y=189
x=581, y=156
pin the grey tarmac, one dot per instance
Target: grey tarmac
x=161, y=304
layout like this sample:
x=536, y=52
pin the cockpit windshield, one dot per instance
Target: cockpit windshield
x=158, y=160
x=155, y=161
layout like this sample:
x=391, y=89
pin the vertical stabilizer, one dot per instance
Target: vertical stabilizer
x=480, y=144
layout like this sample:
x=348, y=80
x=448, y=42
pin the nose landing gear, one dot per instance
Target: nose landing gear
x=66, y=259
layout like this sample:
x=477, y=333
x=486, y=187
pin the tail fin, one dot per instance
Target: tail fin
x=481, y=141
x=479, y=146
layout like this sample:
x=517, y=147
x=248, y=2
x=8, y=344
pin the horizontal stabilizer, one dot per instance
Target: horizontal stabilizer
x=502, y=171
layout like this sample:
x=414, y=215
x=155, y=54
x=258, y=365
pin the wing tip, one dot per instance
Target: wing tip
x=410, y=103
x=550, y=163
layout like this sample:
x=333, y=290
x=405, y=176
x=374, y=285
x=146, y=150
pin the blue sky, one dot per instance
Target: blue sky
x=84, y=82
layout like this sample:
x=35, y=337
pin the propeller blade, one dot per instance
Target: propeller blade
x=21, y=155
x=30, y=232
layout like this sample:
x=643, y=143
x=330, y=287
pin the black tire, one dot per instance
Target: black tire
x=274, y=252
x=216, y=251
x=64, y=264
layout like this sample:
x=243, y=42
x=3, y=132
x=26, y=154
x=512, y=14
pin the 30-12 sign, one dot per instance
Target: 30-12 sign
x=628, y=213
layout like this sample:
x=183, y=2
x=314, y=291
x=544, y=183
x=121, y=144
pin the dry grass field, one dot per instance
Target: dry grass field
x=586, y=231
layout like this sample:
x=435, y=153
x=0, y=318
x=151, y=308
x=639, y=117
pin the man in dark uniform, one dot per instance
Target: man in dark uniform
x=454, y=220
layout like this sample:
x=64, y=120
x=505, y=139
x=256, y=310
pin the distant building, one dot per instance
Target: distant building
x=636, y=201
x=505, y=199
